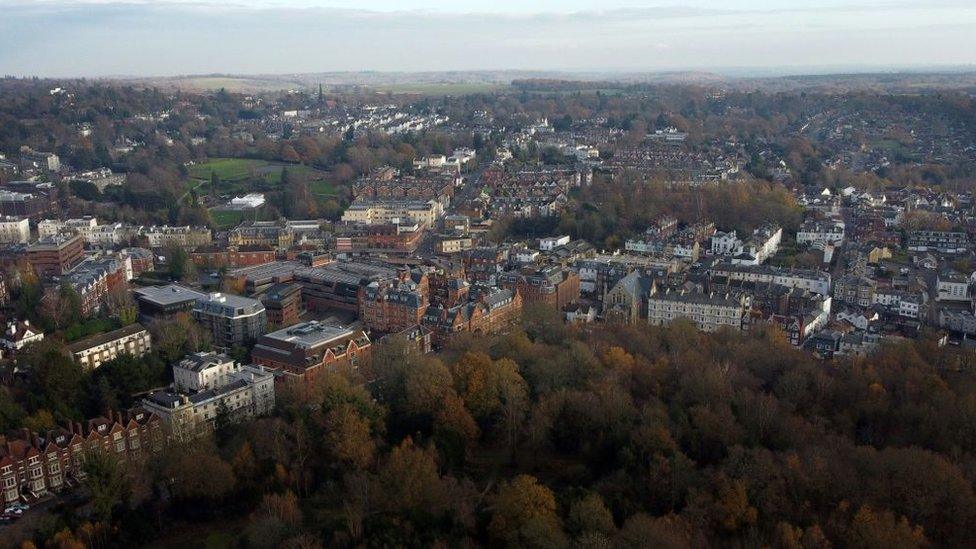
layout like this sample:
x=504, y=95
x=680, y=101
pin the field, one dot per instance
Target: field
x=227, y=169
x=241, y=175
x=438, y=89
x=226, y=219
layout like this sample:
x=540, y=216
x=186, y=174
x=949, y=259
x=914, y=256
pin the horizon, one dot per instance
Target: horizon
x=139, y=39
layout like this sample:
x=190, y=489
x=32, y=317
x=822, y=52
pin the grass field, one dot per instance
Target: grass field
x=240, y=175
x=322, y=187
x=446, y=88
x=227, y=169
x=226, y=219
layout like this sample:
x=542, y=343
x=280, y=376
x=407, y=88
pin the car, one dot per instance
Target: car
x=13, y=511
x=18, y=505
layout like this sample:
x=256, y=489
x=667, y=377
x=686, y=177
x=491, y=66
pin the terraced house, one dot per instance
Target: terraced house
x=34, y=464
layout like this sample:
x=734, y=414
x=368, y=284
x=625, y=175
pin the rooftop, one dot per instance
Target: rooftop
x=311, y=334
x=168, y=295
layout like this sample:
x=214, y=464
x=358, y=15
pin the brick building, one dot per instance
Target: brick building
x=35, y=464
x=212, y=257
x=553, y=286
x=303, y=350
x=56, y=255
x=488, y=311
x=283, y=304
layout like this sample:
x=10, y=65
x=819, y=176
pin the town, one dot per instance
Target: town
x=179, y=265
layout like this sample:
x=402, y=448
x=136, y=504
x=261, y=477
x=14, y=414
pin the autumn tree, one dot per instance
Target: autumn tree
x=524, y=515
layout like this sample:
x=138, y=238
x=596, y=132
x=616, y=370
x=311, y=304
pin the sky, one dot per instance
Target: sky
x=66, y=38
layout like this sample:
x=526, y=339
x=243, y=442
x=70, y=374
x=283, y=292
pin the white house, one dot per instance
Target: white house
x=20, y=334
x=725, y=243
x=952, y=286
x=820, y=233
x=549, y=244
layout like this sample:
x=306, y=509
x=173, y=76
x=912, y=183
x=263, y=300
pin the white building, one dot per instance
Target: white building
x=54, y=227
x=549, y=244
x=14, y=229
x=762, y=245
x=93, y=352
x=212, y=387
x=952, y=286
x=725, y=243
x=709, y=311
x=20, y=334
x=248, y=201
x=384, y=212
x=814, y=281
x=820, y=233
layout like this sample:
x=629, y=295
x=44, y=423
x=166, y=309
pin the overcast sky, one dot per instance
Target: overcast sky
x=172, y=37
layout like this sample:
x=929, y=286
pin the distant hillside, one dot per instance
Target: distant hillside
x=460, y=82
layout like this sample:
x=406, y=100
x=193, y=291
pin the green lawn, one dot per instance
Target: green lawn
x=322, y=187
x=226, y=219
x=227, y=169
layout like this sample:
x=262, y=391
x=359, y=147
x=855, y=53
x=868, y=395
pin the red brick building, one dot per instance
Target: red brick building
x=392, y=238
x=283, y=304
x=391, y=306
x=35, y=464
x=241, y=256
x=56, y=255
x=553, y=286
x=304, y=350
x=489, y=311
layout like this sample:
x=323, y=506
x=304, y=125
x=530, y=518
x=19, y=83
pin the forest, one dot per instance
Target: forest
x=555, y=436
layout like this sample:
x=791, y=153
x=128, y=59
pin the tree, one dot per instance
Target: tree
x=53, y=380
x=667, y=532
x=106, y=481
x=524, y=515
x=178, y=263
x=588, y=516
x=409, y=481
x=347, y=437
x=177, y=336
x=196, y=472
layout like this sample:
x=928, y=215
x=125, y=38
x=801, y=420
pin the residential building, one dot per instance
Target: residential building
x=390, y=306
x=185, y=237
x=14, y=229
x=35, y=464
x=820, y=233
x=806, y=279
x=709, y=311
x=94, y=351
x=855, y=290
x=952, y=286
x=213, y=388
x=233, y=320
x=947, y=242
x=20, y=334
x=551, y=285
